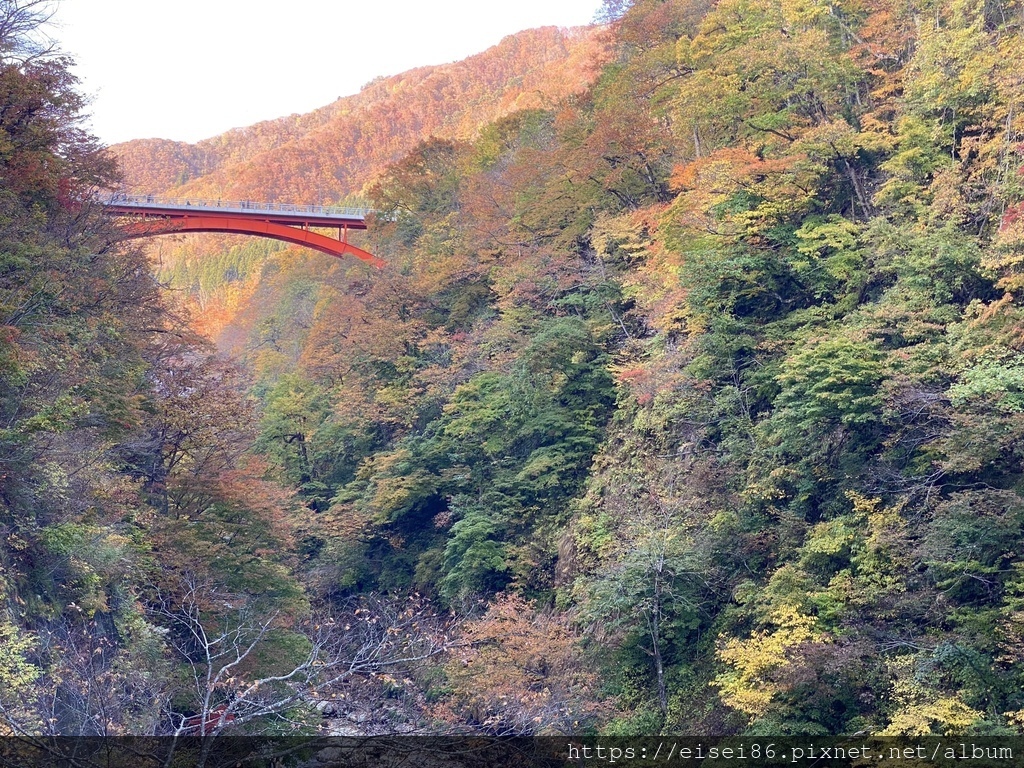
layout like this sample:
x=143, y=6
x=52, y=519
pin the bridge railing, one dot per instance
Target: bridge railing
x=248, y=206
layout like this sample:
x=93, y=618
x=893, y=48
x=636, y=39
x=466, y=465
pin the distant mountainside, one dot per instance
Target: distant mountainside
x=333, y=151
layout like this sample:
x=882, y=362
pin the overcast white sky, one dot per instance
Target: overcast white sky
x=190, y=69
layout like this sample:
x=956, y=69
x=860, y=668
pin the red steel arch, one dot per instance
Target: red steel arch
x=240, y=225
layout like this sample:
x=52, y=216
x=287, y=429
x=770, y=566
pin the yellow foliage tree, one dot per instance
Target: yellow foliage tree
x=17, y=674
x=922, y=713
x=756, y=663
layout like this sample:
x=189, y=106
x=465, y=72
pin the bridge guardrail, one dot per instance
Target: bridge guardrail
x=249, y=206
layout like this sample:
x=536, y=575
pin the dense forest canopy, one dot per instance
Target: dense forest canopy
x=691, y=402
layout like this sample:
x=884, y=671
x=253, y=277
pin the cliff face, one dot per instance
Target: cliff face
x=333, y=151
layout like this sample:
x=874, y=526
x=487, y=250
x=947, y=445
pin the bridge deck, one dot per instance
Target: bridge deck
x=277, y=213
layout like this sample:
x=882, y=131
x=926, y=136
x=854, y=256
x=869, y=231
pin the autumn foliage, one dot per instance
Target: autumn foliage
x=690, y=399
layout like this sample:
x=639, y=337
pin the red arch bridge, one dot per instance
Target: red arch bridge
x=151, y=215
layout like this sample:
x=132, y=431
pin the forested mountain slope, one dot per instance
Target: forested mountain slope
x=718, y=364
x=333, y=151
x=695, y=399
